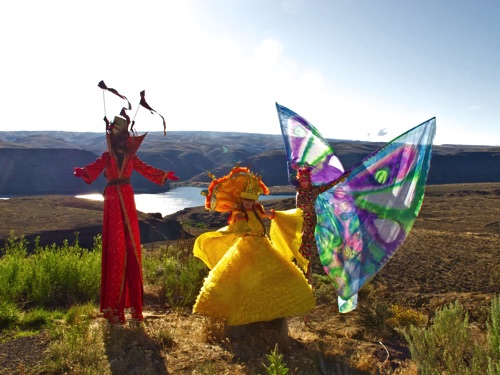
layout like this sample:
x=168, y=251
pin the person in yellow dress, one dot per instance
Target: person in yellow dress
x=252, y=278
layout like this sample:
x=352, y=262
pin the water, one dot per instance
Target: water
x=171, y=201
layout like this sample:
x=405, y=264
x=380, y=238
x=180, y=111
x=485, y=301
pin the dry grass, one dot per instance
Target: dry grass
x=450, y=255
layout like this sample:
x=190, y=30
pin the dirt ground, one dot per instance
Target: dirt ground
x=451, y=254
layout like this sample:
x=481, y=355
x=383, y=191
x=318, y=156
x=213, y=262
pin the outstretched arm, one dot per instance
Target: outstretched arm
x=151, y=173
x=331, y=184
x=93, y=170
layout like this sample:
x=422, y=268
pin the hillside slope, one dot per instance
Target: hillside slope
x=36, y=163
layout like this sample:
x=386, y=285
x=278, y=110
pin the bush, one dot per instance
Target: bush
x=9, y=315
x=21, y=322
x=52, y=276
x=180, y=277
x=447, y=347
x=494, y=337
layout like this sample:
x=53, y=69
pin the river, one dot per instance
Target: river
x=171, y=201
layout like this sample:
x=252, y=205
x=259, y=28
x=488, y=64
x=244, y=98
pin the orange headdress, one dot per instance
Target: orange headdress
x=225, y=193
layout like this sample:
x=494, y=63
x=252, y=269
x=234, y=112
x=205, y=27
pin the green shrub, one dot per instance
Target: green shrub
x=494, y=337
x=494, y=329
x=444, y=347
x=447, y=347
x=25, y=322
x=51, y=277
x=181, y=282
x=180, y=276
x=9, y=315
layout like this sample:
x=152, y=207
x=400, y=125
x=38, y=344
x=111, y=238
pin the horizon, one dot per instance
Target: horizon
x=160, y=133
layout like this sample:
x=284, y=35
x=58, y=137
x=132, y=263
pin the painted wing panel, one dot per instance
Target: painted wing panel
x=363, y=220
x=304, y=145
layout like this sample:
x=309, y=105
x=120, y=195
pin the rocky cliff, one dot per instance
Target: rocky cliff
x=35, y=163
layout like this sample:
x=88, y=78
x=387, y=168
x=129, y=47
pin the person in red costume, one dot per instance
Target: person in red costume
x=121, y=277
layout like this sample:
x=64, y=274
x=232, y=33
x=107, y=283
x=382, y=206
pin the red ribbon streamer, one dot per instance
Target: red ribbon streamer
x=103, y=86
x=147, y=106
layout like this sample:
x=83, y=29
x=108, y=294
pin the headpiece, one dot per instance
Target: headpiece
x=305, y=169
x=225, y=193
x=119, y=125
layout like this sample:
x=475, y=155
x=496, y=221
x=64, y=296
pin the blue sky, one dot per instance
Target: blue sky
x=360, y=70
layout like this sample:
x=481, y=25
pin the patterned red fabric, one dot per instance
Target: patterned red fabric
x=121, y=278
x=305, y=200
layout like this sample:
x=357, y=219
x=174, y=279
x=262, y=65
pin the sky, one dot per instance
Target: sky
x=356, y=69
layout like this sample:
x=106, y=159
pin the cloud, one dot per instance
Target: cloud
x=382, y=132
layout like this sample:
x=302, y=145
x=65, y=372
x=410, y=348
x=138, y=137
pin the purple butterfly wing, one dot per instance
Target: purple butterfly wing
x=363, y=220
x=305, y=146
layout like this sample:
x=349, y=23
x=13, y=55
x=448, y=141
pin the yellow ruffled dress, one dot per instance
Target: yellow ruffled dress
x=251, y=279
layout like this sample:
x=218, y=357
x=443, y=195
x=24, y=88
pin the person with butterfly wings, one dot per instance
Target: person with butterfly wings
x=121, y=275
x=364, y=215
x=305, y=200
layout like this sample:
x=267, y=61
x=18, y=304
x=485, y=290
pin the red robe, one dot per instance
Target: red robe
x=121, y=277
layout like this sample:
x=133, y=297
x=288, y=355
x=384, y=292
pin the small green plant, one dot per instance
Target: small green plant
x=78, y=314
x=276, y=364
x=494, y=329
x=182, y=282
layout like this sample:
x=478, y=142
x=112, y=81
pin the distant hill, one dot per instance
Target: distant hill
x=34, y=163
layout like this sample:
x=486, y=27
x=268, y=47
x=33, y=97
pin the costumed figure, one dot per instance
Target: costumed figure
x=305, y=200
x=252, y=279
x=121, y=277
x=369, y=211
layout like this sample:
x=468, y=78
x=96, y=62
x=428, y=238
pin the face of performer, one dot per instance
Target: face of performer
x=120, y=142
x=305, y=180
x=247, y=203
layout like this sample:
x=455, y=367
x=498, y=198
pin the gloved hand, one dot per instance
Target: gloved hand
x=172, y=176
x=78, y=172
